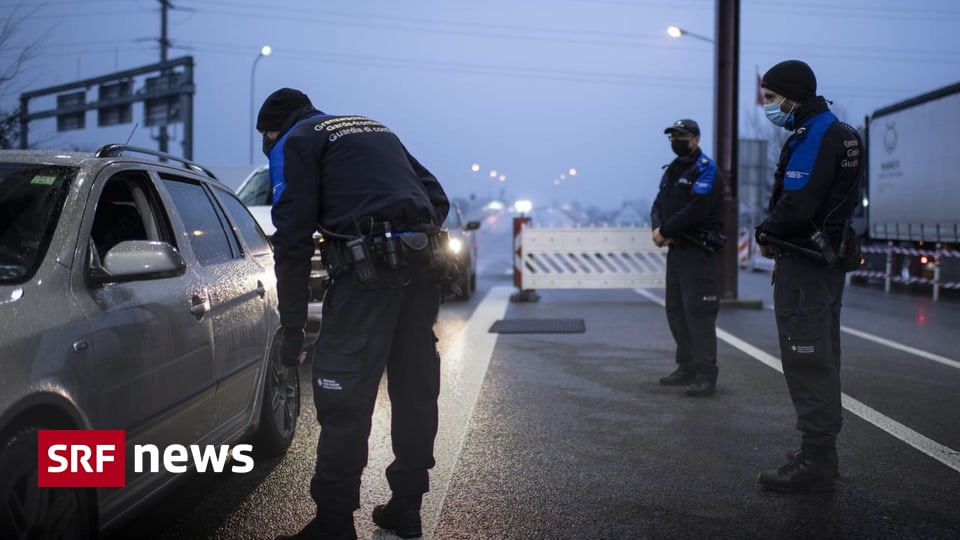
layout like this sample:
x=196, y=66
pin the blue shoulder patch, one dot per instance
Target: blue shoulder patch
x=707, y=176
x=277, y=181
x=804, y=150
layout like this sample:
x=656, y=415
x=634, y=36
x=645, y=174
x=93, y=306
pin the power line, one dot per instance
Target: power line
x=468, y=68
x=527, y=33
x=84, y=13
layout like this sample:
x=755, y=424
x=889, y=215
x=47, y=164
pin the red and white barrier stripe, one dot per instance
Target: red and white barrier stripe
x=910, y=251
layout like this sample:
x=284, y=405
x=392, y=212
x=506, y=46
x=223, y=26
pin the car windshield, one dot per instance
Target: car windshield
x=256, y=190
x=31, y=198
x=453, y=219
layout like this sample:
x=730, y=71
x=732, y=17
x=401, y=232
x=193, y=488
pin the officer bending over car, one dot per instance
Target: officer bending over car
x=379, y=211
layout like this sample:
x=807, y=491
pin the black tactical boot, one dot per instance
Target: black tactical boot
x=803, y=474
x=400, y=515
x=678, y=378
x=831, y=460
x=338, y=526
x=701, y=387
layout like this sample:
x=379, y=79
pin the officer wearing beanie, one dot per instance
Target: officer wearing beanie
x=815, y=192
x=379, y=210
x=687, y=216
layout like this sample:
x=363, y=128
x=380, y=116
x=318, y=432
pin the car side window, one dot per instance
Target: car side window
x=205, y=225
x=244, y=223
x=127, y=210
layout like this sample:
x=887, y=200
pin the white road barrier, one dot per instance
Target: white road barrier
x=590, y=258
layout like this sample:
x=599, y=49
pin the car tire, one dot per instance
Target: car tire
x=28, y=511
x=466, y=288
x=280, y=408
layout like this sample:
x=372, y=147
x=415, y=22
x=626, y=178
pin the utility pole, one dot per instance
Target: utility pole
x=725, y=108
x=163, y=137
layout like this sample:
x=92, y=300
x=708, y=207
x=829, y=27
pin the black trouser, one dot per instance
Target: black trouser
x=364, y=329
x=692, y=304
x=806, y=297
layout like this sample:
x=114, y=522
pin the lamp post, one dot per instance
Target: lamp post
x=264, y=51
x=726, y=68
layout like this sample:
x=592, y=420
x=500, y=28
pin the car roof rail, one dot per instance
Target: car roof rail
x=116, y=150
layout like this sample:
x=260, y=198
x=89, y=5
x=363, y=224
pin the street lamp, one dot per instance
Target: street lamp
x=523, y=206
x=264, y=51
x=726, y=69
x=675, y=32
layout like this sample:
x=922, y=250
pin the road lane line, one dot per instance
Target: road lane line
x=939, y=452
x=901, y=347
x=463, y=369
x=897, y=345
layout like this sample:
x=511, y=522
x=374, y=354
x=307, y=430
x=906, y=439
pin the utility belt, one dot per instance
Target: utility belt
x=363, y=254
x=843, y=254
x=708, y=240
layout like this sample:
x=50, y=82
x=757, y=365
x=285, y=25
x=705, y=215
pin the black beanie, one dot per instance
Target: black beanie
x=278, y=106
x=791, y=79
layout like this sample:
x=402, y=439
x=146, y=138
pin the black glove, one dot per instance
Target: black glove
x=760, y=235
x=291, y=346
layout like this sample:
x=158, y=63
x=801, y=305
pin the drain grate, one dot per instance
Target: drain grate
x=538, y=326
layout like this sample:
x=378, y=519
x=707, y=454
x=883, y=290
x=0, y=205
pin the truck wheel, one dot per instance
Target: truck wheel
x=28, y=511
x=280, y=407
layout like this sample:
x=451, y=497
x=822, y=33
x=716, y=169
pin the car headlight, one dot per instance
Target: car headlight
x=455, y=245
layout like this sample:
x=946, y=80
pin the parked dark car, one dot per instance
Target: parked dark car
x=135, y=295
x=463, y=243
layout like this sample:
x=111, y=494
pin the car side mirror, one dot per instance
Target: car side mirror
x=472, y=226
x=134, y=260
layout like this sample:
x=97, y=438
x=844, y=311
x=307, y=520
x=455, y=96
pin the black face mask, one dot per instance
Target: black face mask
x=679, y=147
x=268, y=145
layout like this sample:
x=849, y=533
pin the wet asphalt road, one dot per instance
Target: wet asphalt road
x=570, y=436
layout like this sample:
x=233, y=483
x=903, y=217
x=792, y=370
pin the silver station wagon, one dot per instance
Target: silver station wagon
x=136, y=293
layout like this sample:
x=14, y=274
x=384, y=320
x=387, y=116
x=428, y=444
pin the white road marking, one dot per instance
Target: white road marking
x=939, y=452
x=463, y=369
x=898, y=346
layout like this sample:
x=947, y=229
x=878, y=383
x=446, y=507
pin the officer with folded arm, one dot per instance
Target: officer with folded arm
x=807, y=230
x=379, y=211
x=687, y=215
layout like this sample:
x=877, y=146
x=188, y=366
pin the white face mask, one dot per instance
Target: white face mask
x=777, y=116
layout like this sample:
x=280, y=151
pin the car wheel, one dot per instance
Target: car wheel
x=28, y=511
x=280, y=408
x=465, y=283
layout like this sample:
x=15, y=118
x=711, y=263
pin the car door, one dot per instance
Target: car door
x=236, y=285
x=150, y=369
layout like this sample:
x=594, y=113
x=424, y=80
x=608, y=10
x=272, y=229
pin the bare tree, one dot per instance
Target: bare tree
x=9, y=119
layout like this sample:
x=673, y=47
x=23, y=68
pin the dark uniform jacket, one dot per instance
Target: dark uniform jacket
x=815, y=184
x=347, y=175
x=690, y=200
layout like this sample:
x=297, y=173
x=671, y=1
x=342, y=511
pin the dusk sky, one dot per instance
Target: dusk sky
x=529, y=88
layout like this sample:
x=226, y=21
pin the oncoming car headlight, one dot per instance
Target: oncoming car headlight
x=455, y=245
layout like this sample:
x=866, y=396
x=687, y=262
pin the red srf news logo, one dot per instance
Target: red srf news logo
x=81, y=458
